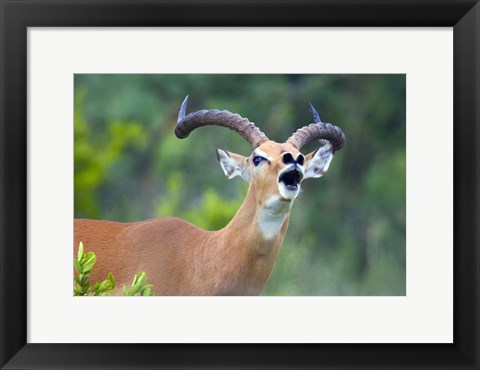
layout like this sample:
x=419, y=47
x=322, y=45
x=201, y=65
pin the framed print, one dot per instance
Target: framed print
x=90, y=89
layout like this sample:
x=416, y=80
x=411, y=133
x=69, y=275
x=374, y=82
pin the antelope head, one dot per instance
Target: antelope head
x=274, y=170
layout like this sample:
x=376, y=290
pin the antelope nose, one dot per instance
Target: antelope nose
x=288, y=158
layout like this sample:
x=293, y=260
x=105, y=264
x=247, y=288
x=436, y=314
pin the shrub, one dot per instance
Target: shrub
x=82, y=287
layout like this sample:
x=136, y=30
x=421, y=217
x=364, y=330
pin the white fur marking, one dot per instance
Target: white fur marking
x=262, y=154
x=272, y=216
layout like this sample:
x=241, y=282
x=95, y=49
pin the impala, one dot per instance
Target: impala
x=182, y=259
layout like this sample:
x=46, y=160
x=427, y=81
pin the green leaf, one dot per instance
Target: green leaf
x=87, y=269
x=87, y=258
x=124, y=290
x=77, y=280
x=78, y=267
x=147, y=292
x=80, y=251
x=134, y=289
x=141, y=277
x=105, y=286
x=134, y=280
x=88, y=264
x=112, y=279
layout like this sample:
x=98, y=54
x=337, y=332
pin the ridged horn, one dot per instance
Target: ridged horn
x=224, y=118
x=318, y=130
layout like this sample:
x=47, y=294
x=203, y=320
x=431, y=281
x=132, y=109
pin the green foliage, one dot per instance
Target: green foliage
x=82, y=286
x=138, y=286
x=214, y=212
x=170, y=205
x=97, y=154
x=83, y=267
x=347, y=230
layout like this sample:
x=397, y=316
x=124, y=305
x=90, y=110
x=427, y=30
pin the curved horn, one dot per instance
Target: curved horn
x=316, y=117
x=235, y=122
x=318, y=130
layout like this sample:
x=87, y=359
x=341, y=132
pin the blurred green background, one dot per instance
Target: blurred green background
x=347, y=229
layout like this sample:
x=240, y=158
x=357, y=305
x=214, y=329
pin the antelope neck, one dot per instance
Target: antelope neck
x=261, y=221
x=272, y=216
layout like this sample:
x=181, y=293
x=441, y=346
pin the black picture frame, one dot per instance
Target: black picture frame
x=18, y=15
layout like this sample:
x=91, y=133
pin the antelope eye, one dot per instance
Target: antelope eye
x=257, y=159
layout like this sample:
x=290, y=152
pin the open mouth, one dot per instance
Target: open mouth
x=291, y=179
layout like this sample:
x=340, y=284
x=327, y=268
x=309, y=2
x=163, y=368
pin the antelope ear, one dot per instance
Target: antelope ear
x=318, y=161
x=233, y=164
